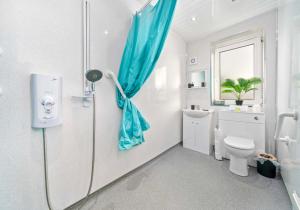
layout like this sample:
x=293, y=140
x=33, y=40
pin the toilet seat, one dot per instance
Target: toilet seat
x=239, y=143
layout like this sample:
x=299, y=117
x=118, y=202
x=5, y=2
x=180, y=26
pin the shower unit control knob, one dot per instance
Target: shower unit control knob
x=48, y=103
x=46, y=97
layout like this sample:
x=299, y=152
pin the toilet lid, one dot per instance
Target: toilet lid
x=239, y=143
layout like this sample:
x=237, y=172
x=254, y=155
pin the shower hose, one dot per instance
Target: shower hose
x=92, y=168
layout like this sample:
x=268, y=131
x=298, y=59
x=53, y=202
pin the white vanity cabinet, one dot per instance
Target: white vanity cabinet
x=197, y=132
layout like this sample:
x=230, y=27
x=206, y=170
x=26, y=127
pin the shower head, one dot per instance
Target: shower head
x=93, y=75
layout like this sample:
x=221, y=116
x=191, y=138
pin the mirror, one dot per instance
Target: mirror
x=196, y=79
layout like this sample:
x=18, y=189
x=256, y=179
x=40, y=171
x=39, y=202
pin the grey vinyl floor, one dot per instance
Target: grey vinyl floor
x=182, y=179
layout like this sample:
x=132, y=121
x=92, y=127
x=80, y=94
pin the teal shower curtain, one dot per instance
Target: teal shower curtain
x=145, y=42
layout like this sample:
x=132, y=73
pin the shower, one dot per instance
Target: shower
x=92, y=75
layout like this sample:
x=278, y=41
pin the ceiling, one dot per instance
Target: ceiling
x=213, y=15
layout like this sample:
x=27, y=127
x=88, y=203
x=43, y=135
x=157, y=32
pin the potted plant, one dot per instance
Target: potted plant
x=240, y=88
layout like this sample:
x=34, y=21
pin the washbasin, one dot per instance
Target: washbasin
x=196, y=113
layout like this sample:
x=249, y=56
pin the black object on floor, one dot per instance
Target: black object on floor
x=267, y=169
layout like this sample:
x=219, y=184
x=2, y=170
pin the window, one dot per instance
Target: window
x=239, y=57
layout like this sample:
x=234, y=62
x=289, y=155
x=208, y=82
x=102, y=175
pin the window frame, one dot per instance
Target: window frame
x=238, y=41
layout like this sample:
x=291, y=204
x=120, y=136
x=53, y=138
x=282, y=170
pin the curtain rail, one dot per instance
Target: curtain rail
x=138, y=11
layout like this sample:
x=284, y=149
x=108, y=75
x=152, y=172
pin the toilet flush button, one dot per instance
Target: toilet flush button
x=1, y=92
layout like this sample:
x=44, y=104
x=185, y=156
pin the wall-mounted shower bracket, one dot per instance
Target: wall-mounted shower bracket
x=86, y=100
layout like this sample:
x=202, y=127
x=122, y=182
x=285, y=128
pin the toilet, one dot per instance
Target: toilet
x=239, y=150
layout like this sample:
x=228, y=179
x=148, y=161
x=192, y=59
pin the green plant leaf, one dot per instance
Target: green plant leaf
x=243, y=83
x=228, y=83
x=255, y=80
x=252, y=89
x=252, y=82
x=241, y=87
x=238, y=88
x=228, y=91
